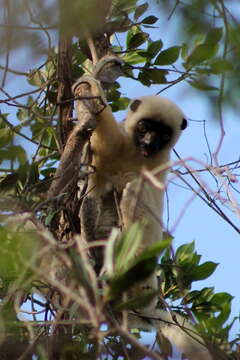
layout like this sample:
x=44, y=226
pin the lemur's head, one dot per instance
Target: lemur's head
x=155, y=123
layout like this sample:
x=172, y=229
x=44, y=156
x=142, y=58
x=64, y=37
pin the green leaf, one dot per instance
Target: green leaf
x=18, y=247
x=141, y=267
x=224, y=314
x=191, y=296
x=29, y=172
x=220, y=298
x=137, y=273
x=143, y=78
x=154, y=250
x=207, y=292
x=205, y=50
x=8, y=183
x=168, y=56
x=137, y=302
x=153, y=76
x=19, y=153
x=154, y=47
x=120, y=104
x=140, y=11
x=113, y=94
x=13, y=153
x=48, y=137
x=203, y=271
x=133, y=31
x=184, y=52
x=220, y=66
x=202, y=85
x=214, y=35
x=6, y=136
x=138, y=39
x=126, y=5
x=201, y=53
x=149, y=20
x=126, y=247
x=23, y=114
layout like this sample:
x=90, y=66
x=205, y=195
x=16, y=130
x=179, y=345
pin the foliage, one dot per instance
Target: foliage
x=205, y=57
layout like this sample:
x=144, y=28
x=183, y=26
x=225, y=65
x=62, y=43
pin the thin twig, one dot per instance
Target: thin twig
x=222, y=83
x=16, y=72
x=21, y=95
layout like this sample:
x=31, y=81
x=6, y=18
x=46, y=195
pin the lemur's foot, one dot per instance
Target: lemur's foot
x=108, y=69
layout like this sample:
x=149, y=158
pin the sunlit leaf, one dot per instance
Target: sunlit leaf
x=37, y=78
x=134, y=58
x=185, y=249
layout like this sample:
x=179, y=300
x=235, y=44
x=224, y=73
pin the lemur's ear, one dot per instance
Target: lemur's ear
x=135, y=105
x=184, y=124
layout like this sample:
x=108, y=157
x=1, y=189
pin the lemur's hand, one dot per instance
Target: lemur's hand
x=88, y=90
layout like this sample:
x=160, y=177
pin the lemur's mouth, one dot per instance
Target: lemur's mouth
x=145, y=151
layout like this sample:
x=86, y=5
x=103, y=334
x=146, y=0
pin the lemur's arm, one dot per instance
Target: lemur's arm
x=107, y=137
x=90, y=111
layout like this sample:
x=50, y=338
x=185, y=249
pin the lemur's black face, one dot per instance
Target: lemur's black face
x=152, y=136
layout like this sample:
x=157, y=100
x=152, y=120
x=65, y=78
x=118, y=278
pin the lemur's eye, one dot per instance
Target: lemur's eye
x=141, y=127
x=166, y=137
